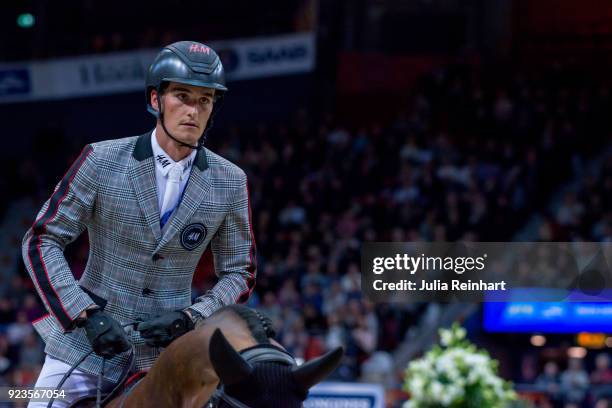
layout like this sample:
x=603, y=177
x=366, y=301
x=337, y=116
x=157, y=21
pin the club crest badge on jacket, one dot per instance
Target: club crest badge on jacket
x=193, y=235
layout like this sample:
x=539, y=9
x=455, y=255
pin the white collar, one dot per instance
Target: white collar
x=163, y=162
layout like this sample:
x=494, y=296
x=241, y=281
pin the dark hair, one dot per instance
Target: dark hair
x=163, y=86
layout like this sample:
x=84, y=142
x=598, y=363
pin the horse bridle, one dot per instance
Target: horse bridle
x=261, y=353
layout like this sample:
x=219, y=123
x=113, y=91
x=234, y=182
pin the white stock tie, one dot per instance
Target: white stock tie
x=171, y=195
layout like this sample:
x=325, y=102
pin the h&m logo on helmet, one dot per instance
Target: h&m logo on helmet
x=193, y=235
x=199, y=48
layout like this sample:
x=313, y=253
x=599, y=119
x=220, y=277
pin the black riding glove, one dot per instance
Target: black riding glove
x=163, y=329
x=105, y=334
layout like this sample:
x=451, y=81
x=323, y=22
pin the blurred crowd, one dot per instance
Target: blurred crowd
x=577, y=385
x=586, y=209
x=473, y=154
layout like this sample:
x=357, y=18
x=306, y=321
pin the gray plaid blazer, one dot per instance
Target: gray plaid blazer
x=135, y=270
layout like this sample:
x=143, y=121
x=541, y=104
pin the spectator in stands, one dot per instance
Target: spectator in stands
x=31, y=307
x=336, y=333
x=529, y=369
x=571, y=211
x=19, y=329
x=5, y=361
x=574, y=382
x=7, y=310
x=549, y=381
x=378, y=369
x=31, y=352
x=603, y=372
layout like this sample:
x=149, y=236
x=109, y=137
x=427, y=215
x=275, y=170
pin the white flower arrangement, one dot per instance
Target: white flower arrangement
x=456, y=375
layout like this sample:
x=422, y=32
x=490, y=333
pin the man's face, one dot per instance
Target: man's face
x=186, y=110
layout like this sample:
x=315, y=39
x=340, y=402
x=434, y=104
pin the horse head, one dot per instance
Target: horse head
x=260, y=374
x=265, y=375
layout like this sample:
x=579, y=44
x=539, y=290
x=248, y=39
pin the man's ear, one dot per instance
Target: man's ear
x=154, y=99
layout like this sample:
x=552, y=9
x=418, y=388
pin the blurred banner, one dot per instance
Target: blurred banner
x=340, y=395
x=125, y=71
x=549, y=317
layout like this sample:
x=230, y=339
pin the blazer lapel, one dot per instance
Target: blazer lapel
x=142, y=177
x=198, y=187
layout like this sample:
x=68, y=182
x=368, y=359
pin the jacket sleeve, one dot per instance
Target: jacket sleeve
x=60, y=221
x=234, y=253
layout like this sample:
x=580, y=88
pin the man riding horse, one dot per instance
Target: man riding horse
x=233, y=348
x=151, y=205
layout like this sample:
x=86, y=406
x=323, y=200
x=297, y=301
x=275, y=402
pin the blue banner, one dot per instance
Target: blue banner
x=15, y=81
x=548, y=317
x=344, y=395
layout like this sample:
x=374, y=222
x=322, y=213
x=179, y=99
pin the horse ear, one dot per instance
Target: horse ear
x=312, y=372
x=228, y=363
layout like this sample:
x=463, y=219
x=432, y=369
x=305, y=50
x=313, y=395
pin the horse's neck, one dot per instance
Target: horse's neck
x=183, y=375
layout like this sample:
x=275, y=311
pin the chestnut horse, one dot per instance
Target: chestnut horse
x=233, y=347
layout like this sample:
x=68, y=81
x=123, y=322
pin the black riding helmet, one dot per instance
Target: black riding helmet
x=190, y=63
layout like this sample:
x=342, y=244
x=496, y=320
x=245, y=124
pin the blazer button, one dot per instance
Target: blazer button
x=157, y=257
x=146, y=291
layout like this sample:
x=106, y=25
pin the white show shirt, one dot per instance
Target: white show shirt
x=163, y=162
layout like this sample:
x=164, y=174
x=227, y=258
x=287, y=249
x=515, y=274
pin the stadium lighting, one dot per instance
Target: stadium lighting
x=591, y=340
x=538, y=340
x=25, y=20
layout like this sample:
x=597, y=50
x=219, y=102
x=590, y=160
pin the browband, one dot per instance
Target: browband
x=267, y=353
